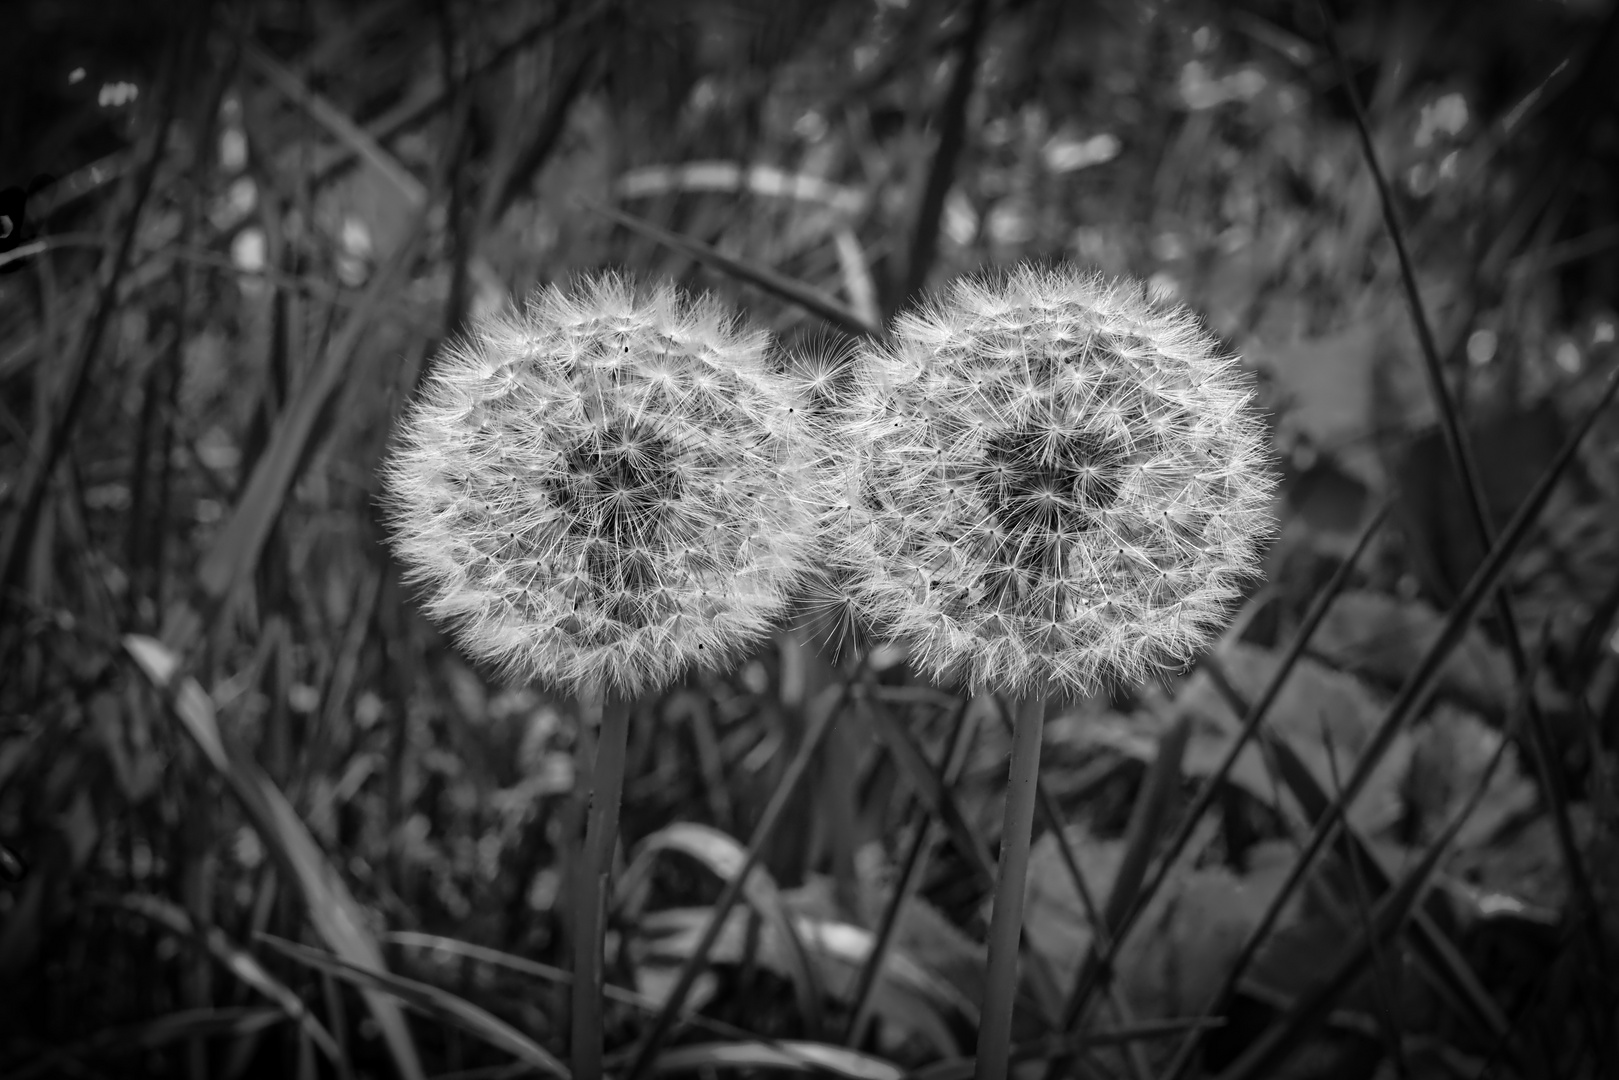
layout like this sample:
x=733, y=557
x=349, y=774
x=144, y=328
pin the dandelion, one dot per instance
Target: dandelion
x=605, y=491
x=1052, y=483
x=601, y=494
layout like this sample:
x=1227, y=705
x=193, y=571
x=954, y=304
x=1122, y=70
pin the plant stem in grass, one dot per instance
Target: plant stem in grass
x=596, y=865
x=1006, y=924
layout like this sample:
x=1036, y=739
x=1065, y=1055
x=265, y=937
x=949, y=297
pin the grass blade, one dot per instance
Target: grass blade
x=780, y=286
x=439, y=1004
x=952, y=138
x=412, y=939
x=154, y=1034
x=236, y=550
x=516, y=162
x=333, y=911
x=239, y=962
x=788, y=1056
x=534, y=969
x=694, y=709
x=335, y=121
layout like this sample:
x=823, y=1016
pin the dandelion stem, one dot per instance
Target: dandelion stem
x=596, y=865
x=1006, y=924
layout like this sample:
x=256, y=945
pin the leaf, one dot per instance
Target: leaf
x=922, y=936
x=1521, y=868
x=191, y=703
x=1511, y=450
x=1452, y=750
x=1188, y=936
x=1294, y=960
x=907, y=995
x=1384, y=637
x=1316, y=706
x=726, y=857
x=1369, y=944
x=655, y=984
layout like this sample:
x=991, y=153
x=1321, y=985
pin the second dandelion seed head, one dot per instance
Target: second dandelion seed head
x=1053, y=483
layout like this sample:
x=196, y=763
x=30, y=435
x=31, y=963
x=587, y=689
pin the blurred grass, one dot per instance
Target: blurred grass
x=226, y=737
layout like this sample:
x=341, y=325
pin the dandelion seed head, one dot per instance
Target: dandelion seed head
x=1061, y=484
x=606, y=489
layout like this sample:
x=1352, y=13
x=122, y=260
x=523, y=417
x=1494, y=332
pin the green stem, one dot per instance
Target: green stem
x=1006, y=924
x=595, y=867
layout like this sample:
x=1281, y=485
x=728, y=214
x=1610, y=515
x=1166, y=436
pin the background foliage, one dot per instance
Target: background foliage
x=233, y=757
